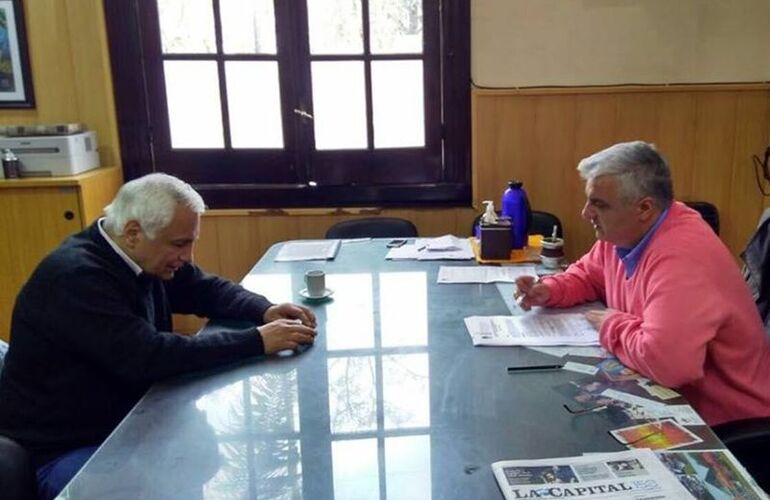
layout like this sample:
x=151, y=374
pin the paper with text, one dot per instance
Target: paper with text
x=532, y=328
x=483, y=274
x=308, y=250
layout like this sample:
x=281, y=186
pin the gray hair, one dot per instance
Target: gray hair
x=641, y=171
x=150, y=200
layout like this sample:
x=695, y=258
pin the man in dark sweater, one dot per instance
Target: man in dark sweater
x=91, y=329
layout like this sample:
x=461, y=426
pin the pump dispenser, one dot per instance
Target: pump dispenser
x=489, y=216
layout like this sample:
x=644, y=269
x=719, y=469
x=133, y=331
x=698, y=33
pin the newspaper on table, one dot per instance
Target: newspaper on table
x=308, y=250
x=711, y=474
x=633, y=474
x=532, y=329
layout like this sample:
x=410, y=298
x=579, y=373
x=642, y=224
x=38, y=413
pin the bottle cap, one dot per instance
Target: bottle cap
x=515, y=184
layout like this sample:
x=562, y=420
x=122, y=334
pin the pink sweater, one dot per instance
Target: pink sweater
x=686, y=318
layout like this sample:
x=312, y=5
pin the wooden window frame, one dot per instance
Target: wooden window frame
x=298, y=176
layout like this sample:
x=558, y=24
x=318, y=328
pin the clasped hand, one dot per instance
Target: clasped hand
x=287, y=326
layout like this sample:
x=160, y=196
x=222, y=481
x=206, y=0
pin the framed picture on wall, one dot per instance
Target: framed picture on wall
x=15, y=77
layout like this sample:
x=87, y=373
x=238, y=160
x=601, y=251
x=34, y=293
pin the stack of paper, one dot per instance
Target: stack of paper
x=483, y=274
x=308, y=250
x=446, y=247
x=532, y=328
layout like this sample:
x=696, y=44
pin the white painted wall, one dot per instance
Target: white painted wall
x=521, y=43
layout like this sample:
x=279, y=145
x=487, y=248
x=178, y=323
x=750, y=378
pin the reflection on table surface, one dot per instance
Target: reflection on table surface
x=391, y=402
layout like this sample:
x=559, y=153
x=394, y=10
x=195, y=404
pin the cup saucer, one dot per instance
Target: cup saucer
x=327, y=293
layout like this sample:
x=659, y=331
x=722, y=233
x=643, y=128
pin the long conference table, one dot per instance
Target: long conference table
x=392, y=401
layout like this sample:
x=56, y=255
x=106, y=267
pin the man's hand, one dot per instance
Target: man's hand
x=290, y=311
x=283, y=334
x=530, y=292
x=597, y=317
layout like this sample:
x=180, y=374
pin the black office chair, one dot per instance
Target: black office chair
x=749, y=439
x=543, y=222
x=708, y=211
x=372, y=227
x=540, y=223
x=17, y=475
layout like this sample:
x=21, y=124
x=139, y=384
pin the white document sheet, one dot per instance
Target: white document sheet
x=483, y=274
x=444, y=248
x=308, y=250
x=532, y=328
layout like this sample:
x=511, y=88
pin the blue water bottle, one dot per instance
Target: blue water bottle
x=516, y=207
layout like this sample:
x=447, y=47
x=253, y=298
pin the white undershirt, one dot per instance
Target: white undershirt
x=133, y=265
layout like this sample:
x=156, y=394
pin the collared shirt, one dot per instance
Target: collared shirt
x=631, y=256
x=128, y=260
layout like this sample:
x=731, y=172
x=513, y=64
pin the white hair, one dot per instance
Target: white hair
x=150, y=200
x=639, y=168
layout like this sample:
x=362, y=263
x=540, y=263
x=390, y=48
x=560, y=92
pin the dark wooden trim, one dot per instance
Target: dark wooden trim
x=456, y=71
x=129, y=83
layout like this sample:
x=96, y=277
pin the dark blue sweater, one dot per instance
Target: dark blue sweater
x=89, y=337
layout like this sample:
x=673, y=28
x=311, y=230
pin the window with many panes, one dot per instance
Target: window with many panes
x=296, y=102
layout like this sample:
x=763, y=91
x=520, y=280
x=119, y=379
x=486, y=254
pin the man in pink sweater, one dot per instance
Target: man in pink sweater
x=678, y=311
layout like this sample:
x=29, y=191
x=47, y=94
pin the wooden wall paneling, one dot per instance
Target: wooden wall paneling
x=554, y=185
x=239, y=245
x=435, y=222
x=595, y=127
x=714, y=148
x=745, y=204
x=504, y=141
x=675, y=138
x=92, y=77
x=275, y=228
x=637, y=117
x=51, y=64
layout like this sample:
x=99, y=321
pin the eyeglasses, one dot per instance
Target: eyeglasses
x=584, y=411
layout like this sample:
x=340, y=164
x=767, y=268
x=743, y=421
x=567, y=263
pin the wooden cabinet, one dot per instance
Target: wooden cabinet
x=36, y=215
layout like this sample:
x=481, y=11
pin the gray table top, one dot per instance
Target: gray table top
x=392, y=401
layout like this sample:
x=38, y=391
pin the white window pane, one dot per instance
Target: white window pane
x=186, y=26
x=407, y=462
x=395, y=26
x=350, y=316
x=404, y=306
x=248, y=26
x=194, y=112
x=335, y=26
x=406, y=390
x=352, y=394
x=356, y=473
x=397, y=104
x=339, y=104
x=254, y=104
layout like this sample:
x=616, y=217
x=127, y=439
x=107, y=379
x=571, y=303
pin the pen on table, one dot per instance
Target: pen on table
x=533, y=368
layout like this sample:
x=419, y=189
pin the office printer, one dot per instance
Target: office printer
x=54, y=155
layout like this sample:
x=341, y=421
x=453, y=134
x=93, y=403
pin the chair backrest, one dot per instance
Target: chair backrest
x=373, y=227
x=708, y=211
x=541, y=223
x=17, y=475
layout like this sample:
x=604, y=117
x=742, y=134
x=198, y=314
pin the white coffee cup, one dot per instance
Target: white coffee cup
x=315, y=281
